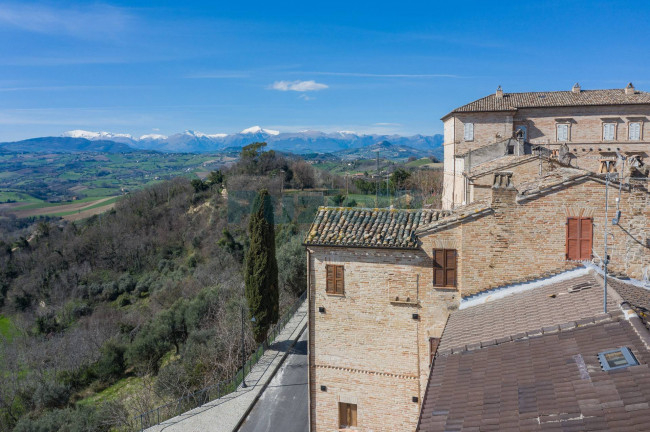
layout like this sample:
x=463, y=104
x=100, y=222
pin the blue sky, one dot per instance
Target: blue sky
x=218, y=67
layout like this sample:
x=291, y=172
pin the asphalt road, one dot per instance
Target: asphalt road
x=283, y=405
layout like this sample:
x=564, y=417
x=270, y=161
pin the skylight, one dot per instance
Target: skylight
x=617, y=359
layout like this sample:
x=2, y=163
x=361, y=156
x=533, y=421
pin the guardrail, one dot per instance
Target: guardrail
x=222, y=388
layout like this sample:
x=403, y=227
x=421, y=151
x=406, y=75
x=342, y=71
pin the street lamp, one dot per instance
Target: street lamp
x=243, y=345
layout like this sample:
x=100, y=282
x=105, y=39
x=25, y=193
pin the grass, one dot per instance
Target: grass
x=101, y=204
x=7, y=328
x=418, y=163
x=118, y=391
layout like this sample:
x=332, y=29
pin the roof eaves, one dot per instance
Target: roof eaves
x=460, y=217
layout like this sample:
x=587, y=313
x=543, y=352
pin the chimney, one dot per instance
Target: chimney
x=629, y=89
x=499, y=93
x=503, y=191
x=576, y=88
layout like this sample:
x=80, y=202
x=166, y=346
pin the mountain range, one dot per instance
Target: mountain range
x=197, y=142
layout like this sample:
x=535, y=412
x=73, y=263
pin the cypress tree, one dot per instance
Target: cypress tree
x=261, y=267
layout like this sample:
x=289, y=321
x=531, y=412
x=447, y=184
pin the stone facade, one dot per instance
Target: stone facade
x=366, y=348
x=586, y=140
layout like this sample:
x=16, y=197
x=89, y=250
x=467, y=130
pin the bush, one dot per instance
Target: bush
x=110, y=365
x=292, y=267
x=84, y=419
x=51, y=395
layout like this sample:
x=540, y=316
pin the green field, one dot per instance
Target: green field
x=7, y=328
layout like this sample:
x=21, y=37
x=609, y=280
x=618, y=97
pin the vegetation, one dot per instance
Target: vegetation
x=261, y=271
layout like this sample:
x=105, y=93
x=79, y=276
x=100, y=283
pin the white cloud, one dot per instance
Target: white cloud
x=305, y=97
x=85, y=22
x=299, y=86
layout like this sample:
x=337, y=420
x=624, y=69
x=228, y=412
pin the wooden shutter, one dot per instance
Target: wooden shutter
x=330, y=279
x=339, y=280
x=444, y=267
x=469, y=131
x=586, y=235
x=635, y=131
x=433, y=348
x=347, y=415
x=608, y=131
x=579, y=236
x=563, y=132
x=450, y=267
x=439, y=267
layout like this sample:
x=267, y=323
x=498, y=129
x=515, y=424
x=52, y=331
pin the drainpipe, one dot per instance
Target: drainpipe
x=417, y=344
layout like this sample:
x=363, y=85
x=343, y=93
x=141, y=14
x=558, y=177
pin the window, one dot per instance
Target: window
x=433, y=347
x=444, y=267
x=609, y=131
x=635, y=131
x=521, y=132
x=578, y=238
x=334, y=279
x=617, y=359
x=347, y=415
x=469, y=131
x=607, y=166
x=563, y=132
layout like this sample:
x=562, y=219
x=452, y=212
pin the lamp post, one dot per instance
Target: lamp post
x=243, y=341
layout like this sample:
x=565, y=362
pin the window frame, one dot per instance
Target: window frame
x=434, y=343
x=580, y=239
x=338, y=283
x=356, y=415
x=629, y=131
x=445, y=268
x=557, y=131
x=614, y=131
x=465, y=131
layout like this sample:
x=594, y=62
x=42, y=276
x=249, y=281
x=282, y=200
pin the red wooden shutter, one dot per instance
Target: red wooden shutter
x=330, y=279
x=573, y=239
x=438, y=267
x=433, y=347
x=450, y=267
x=586, y=236
x=339, y=280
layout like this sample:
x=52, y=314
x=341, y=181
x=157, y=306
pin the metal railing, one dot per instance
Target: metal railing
x=200, y=397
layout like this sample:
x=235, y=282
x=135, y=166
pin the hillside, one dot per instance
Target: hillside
x=386, y=150
x=66, y=145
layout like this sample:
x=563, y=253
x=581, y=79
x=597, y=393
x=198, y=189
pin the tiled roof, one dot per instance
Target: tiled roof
x=381, y=228
x=551, y=382
x=528, y=361
x=458, y=215
x=511, y=101
x=637, y=297
x=526, y=311
x=552, y=180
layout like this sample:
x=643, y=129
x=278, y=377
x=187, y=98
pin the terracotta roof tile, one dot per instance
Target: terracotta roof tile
x=511, y=101
x=381, y=228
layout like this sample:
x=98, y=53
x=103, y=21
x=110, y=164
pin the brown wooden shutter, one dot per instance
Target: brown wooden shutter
x=339, y=280
x=330, y=279
x=438, y=267
x=433, y=348
x=450, y=267
x=573, y=239
x=586, y=235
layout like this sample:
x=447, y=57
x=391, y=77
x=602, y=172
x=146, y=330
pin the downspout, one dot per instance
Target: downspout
x=309, y=339
x=453, y=161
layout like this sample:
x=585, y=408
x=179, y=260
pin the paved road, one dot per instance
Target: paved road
x=283, y=405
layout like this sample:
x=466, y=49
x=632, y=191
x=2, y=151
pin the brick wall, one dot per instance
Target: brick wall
x=367, y=347
x=526, y=240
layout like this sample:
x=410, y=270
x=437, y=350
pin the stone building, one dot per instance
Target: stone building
x=383, y=283
x=579, y=128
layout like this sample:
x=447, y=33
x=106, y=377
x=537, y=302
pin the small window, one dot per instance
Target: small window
x=607, y=166
x=334, y=279
x=444, y=267
x=617, y=359
x=635, y=131
x=347, y=415
x=609, y=131
x=469, y=131
x=578, y=238
x=562, y=132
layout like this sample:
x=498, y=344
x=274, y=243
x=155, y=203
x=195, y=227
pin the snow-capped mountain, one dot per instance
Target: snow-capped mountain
x=307, y=141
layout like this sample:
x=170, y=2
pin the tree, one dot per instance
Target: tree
x=261, y=267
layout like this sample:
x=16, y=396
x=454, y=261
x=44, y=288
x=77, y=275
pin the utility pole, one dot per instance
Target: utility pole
x=606, y=258
x=377, y=182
